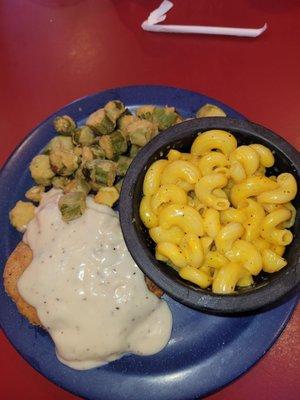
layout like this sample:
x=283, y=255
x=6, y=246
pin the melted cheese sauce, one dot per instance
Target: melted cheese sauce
x=88, y=292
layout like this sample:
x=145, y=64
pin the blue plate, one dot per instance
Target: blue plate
x=205, y=352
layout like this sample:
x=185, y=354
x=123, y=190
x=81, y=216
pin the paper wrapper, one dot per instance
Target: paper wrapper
x=159, y=15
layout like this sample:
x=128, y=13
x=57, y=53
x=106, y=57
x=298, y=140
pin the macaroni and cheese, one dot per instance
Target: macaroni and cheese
x=215, y=216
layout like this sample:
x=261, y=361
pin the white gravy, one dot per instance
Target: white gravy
x=88, y=292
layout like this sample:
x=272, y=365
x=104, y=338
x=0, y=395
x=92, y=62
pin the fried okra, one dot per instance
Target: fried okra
x=107, y=196
x=35, y=193
x=210, y=110
x=83, y=135
x=40, y=169
x=100, y=122
x=64, y=125
x=100, y=171
x=113, y=145
x=72, y=205
x=21, y=215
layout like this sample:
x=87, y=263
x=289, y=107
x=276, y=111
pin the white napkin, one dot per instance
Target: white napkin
x=159, y=15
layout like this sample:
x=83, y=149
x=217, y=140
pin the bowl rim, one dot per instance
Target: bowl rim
x=204, y=300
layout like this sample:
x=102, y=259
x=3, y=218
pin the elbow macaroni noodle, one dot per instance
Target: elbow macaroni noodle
x=227, y=236
x=213, y=162
x=153, y=176
x=223, y=141
x=168, y=194
x=204, y=191
x=237, y=171
x=180, y=170
x=250, y=187
x=266, y=157
x=214, y=215
x=246, y=254
x=185, y=217
x=211, y=221
x=255, y=214
x=286, y=190
x=247, y=157
x=271, y=233
x=192, y=249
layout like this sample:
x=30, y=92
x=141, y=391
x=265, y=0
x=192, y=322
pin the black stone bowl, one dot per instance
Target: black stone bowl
x=268, y=288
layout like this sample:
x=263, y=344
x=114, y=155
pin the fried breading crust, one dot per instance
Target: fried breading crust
x=16, y=264
x=153, y=287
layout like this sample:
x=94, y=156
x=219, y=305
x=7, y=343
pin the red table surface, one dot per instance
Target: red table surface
x=54, y=51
